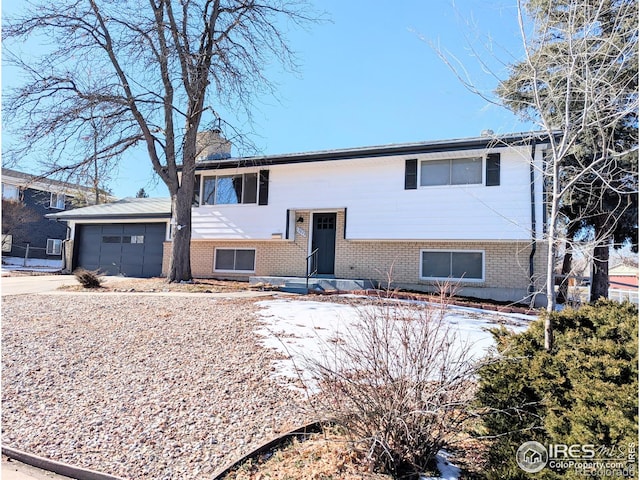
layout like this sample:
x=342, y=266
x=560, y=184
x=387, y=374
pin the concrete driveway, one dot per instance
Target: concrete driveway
x=22, y=285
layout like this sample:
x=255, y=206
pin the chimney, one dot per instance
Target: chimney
x=211, y=145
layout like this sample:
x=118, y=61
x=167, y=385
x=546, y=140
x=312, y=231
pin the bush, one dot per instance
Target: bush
x=585, y=391
x=400, y=382
x=88, y=278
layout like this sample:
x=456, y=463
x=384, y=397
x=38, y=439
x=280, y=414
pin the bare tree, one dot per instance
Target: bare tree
x=574, y=82
x=577, y=81
x=155, y=70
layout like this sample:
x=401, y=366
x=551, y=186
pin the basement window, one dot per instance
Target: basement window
x=239, y=260
x=466, y=265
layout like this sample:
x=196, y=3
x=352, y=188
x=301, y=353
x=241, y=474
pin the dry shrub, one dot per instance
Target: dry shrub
x=401, y=383
x=88, y=278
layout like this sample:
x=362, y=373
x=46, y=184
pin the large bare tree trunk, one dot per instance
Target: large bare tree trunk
x=181, y=203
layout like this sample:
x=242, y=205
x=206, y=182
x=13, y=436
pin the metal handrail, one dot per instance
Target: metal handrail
x=311, y=272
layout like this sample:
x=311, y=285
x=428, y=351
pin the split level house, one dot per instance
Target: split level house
x=465, y=213
x=27, y=233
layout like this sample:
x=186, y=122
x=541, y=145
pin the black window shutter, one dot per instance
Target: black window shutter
x=492, y=176
x=286, y=235
x=263, y=190
x=411, y=174
x=344, y=231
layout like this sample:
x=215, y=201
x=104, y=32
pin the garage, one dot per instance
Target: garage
x=125, y=237
x=132, y=250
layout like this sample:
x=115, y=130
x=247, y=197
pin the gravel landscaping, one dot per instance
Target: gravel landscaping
x=139, y=386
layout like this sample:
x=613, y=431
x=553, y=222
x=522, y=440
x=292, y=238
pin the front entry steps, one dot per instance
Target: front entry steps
x=299, y=284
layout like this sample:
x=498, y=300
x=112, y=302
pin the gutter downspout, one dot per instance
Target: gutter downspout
x=533, y=223
x=65, y=242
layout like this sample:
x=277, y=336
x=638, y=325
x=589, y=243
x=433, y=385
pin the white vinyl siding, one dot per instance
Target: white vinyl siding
x=465, y=265
x=241, y=260
x=371, y=189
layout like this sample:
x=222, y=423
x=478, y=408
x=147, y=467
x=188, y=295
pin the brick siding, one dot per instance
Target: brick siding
x=506, y=263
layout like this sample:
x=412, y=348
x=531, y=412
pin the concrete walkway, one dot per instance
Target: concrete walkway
x=28, y=284
x=13, y=470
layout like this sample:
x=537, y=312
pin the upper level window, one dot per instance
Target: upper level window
x=230, y=189
x=57, y=201
x=458, y=171
x=10, y=192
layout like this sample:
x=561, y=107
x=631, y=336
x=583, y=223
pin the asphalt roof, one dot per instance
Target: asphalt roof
x=415, y=148
x=125, y=208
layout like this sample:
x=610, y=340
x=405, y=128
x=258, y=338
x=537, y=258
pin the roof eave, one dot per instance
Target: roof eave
x=380, y=151
x=115, y=216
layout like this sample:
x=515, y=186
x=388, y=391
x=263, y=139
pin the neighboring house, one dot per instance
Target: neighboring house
x=26, y=200
x=468, y=212
x=125, y=237
x=623, y=277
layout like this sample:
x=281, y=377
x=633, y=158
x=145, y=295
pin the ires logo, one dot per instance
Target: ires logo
x=584, y=459
x=564, y=452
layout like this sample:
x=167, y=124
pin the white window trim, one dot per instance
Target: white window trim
x=7, y=242
x=54, y=242
x=13, y=197
x=53, y=204
x=483, y=159
x=233, y=271
x=456, y=279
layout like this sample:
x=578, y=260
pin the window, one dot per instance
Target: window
x=458, y=171
x=7, y=243
x=459, y=265
x=230, y=189
x=10, y=192
x=57, y=201
x=133, y=239
x=196, y=191
x=234, y=260
x=54, y=246
x=139, y=239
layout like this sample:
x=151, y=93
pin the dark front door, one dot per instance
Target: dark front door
x=324, y=239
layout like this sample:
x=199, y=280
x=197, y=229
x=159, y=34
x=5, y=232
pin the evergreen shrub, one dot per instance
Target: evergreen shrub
x=584, y=391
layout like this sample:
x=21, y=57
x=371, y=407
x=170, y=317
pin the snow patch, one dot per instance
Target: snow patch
x=301, y=330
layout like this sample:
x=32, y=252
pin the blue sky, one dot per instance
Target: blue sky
x=370, y=77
